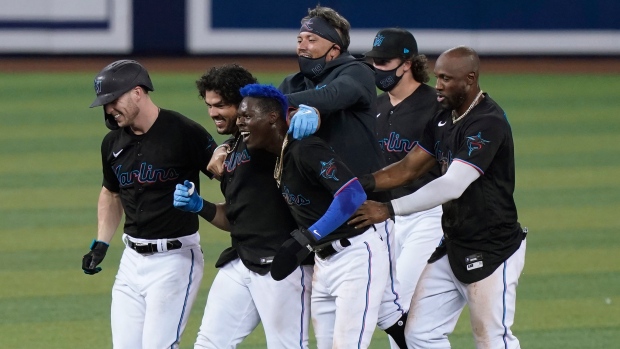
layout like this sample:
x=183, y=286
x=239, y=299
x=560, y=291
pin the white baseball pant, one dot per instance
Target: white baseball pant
x=440, y=298
x=411, y=243
x=347, y=289
x=153, y=295
x=240, y=299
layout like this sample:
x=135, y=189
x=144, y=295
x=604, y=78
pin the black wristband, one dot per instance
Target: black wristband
x=368, y=182
x=208, y=210
x=391, y=209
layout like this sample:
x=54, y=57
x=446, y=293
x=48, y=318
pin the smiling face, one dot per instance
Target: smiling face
x=224, y=115
x=255, y=125
x=125, y=109
x=313, y=46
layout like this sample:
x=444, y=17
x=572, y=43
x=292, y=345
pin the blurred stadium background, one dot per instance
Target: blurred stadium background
x=553, y=66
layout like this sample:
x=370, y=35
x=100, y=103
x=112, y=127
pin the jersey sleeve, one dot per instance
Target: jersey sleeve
x=201, y=148
x=321, y=165
x=481, y=140
x=347, y=89
x=428, y=140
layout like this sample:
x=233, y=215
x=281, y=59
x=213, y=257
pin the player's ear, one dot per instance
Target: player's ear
x=137, y=92
x=471, y=78
x=273, y=117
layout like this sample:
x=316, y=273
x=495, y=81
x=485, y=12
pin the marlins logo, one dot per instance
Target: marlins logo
x=328, y=170
x=378, y=40
x=475, y=142
x=97, y=86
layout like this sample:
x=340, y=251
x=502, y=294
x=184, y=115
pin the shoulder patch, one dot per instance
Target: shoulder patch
x=475, y=142
x=328, y=170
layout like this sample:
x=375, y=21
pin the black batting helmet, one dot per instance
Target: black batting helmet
x=116, y=79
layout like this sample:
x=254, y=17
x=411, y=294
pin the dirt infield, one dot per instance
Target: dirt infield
x=289, y=63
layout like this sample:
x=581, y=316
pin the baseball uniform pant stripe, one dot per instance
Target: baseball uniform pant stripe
x=359, y=344
x=392, y=278
x=504, y=314
x=187, y=293
x=302, y=298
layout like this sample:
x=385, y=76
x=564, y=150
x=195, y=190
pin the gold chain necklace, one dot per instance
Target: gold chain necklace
x=277, y=171
x=456, y=117
x=228, y=151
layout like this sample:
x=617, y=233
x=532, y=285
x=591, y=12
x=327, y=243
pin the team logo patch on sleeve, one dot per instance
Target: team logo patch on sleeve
x=328, y=170
x=475, y=142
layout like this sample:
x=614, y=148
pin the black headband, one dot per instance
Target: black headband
x=322, y=28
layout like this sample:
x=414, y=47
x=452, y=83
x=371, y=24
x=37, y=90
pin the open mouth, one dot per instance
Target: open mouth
x=245, y=135
x=440, y=98
x=219, y=122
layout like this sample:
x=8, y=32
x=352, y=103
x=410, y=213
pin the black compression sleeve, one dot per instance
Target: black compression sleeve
x=368, y=182
x=208, y=210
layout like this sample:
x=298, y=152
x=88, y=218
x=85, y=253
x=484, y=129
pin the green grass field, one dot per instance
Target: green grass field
x=566, y=130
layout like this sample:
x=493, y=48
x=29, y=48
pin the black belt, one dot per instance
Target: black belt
x=329, y=249
x=148, y=248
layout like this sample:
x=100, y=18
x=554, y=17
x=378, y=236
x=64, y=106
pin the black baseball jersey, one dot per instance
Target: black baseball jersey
x=145, y=169
x=400, y=127
x=345, y=95
x=312, y=174
x=480, y=228
x=260, y=220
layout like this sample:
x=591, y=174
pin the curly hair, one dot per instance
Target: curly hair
x=419, y=68
x=342, y=26
x=271, y=98
x=226, y=81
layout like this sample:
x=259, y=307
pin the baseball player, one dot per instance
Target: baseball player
x=483, y=249
x=322, y=193
x=341, y=86
x=403, y=110
x=147, y=152
x=243, y=293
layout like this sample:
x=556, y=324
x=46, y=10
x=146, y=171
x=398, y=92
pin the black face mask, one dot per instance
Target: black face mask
x=313, y=67
x=386, y=80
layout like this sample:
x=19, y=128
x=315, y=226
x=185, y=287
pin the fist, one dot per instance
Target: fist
x=91, y=260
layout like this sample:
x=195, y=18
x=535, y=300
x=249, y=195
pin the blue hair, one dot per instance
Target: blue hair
x=265, y=91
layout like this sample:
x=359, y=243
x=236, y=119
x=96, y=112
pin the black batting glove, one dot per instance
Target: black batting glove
x=292, y=252
x=91, y=260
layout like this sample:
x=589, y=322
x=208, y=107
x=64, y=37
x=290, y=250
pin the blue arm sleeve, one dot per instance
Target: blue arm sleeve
x=346, y=201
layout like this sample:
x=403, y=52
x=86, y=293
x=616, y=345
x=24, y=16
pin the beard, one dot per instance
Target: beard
x=455, y=101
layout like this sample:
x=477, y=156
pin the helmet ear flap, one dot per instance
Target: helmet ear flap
x=110, y=122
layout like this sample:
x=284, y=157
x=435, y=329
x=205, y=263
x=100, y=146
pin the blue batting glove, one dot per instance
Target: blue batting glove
x=186, y=198
x=304, y=123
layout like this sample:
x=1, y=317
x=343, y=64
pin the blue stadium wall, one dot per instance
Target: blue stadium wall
x=191, y=27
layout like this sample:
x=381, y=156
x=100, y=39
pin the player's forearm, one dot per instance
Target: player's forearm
x=348, y=199
x=417, y=163
x=219, y=219
x=443, y=189
x=109, y=214
x=338, y=95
